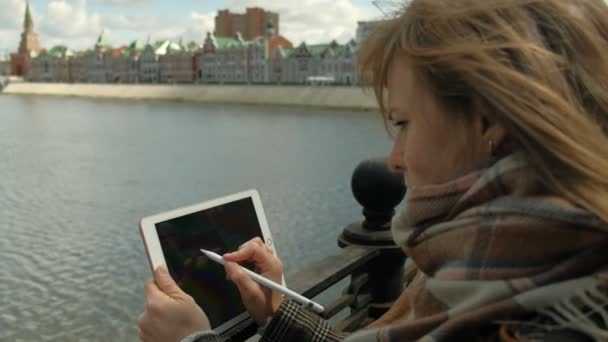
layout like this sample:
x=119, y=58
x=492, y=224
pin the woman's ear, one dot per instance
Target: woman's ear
x=492, y=132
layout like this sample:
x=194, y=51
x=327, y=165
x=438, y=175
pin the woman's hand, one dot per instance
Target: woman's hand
x=171, y=314
x=260, y=301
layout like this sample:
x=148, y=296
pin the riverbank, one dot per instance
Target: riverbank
x=339, y=98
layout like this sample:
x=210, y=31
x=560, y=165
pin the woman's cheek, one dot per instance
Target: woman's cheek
x=418, y=162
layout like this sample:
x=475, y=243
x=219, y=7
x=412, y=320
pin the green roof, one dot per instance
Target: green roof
x=227, y=42
x=60, y=51
x=135, y=46
x=165, y=46
x=103, y=41
x=317, y=50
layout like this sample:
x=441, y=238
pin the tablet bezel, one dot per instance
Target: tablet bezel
x=154, y=249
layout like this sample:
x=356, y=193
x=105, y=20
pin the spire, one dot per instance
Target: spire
x=28, y=23
x=270, y=31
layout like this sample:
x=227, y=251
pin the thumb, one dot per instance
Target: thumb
x=165, y=283
x=248, y=288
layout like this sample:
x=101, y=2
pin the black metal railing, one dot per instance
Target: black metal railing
x=367, y=254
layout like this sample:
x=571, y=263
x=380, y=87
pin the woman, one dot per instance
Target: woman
x=500, y=109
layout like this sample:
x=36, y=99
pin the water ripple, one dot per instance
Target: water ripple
x=76, y=182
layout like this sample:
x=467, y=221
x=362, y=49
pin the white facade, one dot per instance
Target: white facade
x=316, y=64
x=149, y=61
x=347, y=65
x=133, y=72
x=302, y=64
x=149, y=69
x=223, y=60
x=258, y=61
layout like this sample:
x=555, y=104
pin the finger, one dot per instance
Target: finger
x=256, y=240
x=249, y=290
x=141, y=326
x=165, y=282
x=255, y=251
x=152, y=292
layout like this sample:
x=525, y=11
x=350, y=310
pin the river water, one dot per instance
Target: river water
x=78, y=174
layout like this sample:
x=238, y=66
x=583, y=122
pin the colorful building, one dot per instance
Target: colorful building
x=234, y=60
x=29, y=46
x=267, y=58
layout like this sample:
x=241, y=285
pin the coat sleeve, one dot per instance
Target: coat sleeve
x=295, y=324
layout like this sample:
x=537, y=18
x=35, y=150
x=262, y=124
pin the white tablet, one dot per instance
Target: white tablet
x=175, y=239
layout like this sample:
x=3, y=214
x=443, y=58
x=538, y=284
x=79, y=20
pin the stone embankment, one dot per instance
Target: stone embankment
x=324, y=97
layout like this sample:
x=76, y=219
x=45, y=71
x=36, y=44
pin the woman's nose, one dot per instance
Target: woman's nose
x=395, y=160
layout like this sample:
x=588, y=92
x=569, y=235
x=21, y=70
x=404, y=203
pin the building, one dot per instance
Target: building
x=178, y=64
x=251, y=24
x=125, y=62
x=235, y=60
x=223, y=60
x=278, y=65
x=51, y=66
x=149, y=61
x=132, y=54
x=365, y=29
x=317, y=64
x=96, y=64
x=29, y=46
x=78, y=70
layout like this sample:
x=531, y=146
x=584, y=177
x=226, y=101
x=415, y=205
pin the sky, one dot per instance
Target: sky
x=77, y=23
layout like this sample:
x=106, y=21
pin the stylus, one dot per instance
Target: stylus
x=270, y=284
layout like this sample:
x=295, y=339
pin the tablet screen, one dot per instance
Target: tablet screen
x=219, y=229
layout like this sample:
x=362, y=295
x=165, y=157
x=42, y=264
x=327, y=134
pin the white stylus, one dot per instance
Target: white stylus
x=270, y=284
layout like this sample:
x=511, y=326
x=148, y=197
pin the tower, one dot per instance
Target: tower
x=29, y=46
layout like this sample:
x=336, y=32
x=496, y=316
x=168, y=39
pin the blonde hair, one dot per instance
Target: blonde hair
x=536, y=66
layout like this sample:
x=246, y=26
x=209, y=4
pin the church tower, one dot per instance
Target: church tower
x=29, y=46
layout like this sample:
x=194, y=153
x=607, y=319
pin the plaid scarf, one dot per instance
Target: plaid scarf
x=494, y=246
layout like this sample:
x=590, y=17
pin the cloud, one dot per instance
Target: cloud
x=10, y=24
x=69, y=23
x=73, y=23
x=8, y=19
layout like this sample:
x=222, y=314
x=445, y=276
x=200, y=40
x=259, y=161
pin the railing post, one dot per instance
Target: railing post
x=379, y=191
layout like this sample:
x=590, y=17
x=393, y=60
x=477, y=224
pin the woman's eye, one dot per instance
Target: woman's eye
x=400, y=124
